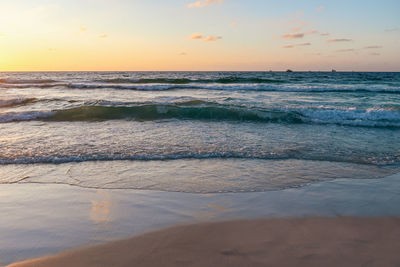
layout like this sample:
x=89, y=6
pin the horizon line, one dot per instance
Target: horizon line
x=2, y=71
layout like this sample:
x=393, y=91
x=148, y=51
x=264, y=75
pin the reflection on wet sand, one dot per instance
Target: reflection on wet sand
x=101, y=212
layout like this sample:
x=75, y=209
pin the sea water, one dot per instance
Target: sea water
x=198, y=132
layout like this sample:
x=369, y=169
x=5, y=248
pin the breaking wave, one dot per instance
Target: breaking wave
x=210, y=111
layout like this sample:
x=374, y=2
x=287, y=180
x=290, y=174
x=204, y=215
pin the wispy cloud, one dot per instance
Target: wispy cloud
x=375, y=54
x=325, y=34
x=299, y=34
x=373, y=47
x=293, y=35
x=209, y=38
x=2, y=34
x=182, y=54
x=233, y=24
x=204, y=3
x=320, y=8
x=82, y=29
x=196, y=36
x=345, y=50
x=304, y=44
x=294, y=45
x=103, y=36
x=338, y=40
x=212, y=38
x=312, y=32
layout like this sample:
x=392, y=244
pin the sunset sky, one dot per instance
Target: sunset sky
x=199, y=35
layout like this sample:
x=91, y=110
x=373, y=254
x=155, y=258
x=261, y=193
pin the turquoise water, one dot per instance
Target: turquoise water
x=198, y=131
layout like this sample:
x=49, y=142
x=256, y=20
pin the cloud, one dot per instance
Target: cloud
x=203, y=3
x=295, y=45
x=373, y=47
x=196, y=36
x=300, y=12
x=312, y=32
x=293, y=35
x=298, y=35
x=346, y=50
x=325, y=34
x=199, y=36
x=103, y=36
x=82, y=29
x=304, y=44
x=182, y=54
x=338, y=40
x=296, y=29
x=233, y=24
x=212, y=38
x=375, y=54
x=2, y=34
x=320, y=8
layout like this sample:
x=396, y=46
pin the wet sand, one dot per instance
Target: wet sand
x=336, y=241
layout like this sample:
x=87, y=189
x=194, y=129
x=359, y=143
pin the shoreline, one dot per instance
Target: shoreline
x=311, y=241
x=34, y=222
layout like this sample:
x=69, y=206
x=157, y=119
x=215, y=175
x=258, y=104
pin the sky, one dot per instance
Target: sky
x=236, y=35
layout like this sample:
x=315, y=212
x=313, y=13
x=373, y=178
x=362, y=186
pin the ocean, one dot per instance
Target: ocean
x=198, y=132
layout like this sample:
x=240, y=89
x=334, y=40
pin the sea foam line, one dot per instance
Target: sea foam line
x=395, y=162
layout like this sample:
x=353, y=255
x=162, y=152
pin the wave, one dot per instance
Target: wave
x=23, y=116
x=15, y=102
x=33, y=81
x=147, y=112
x=66, y=159
x=59, y=159
x=373, y=117
x=236, y=87
x=32, y=85
x=393, y=161
x=187, y=81
x=159, y=87
x=208, y=111
x=117, y=84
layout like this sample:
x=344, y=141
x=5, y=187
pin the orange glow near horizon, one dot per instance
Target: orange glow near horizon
x=69, y=36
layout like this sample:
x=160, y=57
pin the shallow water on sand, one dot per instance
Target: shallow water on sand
x=38, y=220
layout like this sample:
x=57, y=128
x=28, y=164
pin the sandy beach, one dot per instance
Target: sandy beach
x=345, y=241
x=98, y=217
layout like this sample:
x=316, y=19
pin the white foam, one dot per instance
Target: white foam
x=374, y=117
